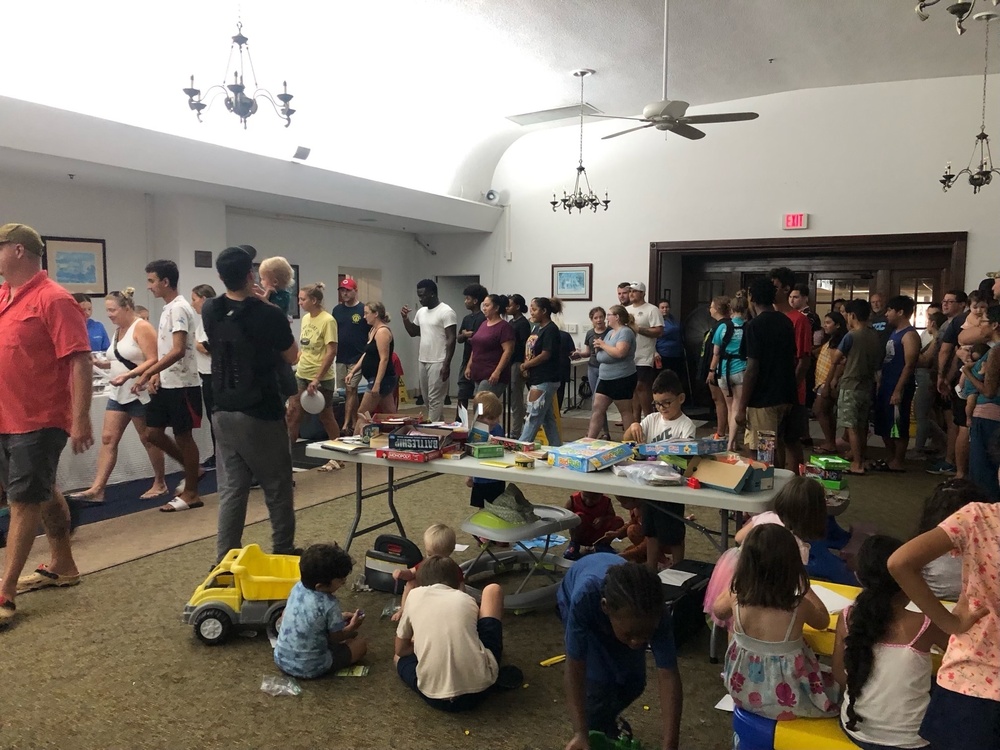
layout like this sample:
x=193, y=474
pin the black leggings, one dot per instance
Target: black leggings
x=208, y=398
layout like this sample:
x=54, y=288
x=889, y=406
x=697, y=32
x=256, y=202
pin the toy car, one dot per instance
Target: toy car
x=247, y=590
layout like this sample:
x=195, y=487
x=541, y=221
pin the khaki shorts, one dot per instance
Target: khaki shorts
x=853, y=408
x=766, y=419
x=341, y=370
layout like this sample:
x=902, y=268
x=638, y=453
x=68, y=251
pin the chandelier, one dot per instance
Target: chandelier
x=985, y=170
x=961, y=11
x=236, y=98
x=580, y=199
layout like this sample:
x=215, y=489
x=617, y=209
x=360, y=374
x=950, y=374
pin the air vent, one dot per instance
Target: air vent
x=551, y=115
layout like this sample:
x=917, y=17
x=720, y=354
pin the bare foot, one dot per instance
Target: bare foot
x=157, y=490
x=89, y=496
x=396, y=615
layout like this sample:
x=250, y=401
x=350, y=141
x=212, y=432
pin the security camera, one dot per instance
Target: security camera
x=492, y=197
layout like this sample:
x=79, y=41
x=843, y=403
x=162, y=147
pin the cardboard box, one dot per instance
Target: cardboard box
x=417, y=457
x=395, y=420
x=831, y=463
x=422, y=438
x=701, y=447
x=752, y=476
x=685, y=464
x=510, y=444
x=815, y=472
x=484, y=450
x=588, y=454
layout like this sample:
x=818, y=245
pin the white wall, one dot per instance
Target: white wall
x=859, y=160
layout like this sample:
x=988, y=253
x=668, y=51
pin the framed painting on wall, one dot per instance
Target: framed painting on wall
x=293, y=289
x=573, y=281
x=80, y=265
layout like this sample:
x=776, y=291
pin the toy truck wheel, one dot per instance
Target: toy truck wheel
x=273, y=621
x=213, y=627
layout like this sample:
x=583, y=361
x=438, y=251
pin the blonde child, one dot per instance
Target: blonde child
x=882, y=656
x=770, y=671
x=276, y=276
x=964, y=710
x=439, y=541
x=486, y=490
x=315, y=637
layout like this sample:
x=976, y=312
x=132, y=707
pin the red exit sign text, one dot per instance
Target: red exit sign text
x=796, y=221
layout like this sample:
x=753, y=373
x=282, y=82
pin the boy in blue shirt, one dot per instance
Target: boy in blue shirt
x=315, y=636
x=612, y=610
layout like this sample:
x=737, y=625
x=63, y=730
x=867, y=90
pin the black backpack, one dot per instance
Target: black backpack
x=235, y=385
x=725, y=358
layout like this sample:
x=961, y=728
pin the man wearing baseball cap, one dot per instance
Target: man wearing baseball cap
x=39, y=317
x=353, y=334
x=649, y=326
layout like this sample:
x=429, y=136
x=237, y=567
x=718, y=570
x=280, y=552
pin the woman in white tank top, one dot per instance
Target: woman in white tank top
x=132, y=352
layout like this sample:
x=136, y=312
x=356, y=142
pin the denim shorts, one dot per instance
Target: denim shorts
x=134, y=408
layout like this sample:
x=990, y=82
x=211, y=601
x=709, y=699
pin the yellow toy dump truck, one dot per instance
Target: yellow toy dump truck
x=246, y=591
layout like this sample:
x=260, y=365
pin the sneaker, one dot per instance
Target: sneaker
x=943, y=468
x=208, y=463
x=509, y=677
x=43, y=578
x=624, y=728
x=8, y=611
x=572, y=552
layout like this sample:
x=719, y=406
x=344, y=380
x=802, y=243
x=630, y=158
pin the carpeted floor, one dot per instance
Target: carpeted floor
x=108, y=664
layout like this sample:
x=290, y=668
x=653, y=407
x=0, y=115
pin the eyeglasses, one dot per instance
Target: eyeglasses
x=664, y=405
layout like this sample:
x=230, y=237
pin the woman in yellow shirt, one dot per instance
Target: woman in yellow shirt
x=314, y=371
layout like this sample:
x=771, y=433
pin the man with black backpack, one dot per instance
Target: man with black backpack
x=249, y=339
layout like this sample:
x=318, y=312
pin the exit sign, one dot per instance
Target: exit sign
x=795, y=221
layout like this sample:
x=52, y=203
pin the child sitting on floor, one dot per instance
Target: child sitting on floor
x=770, y=671
x=663, y=523
x=439, y=541
x=882, y=656
x=612, y=610
x=964, y=711
x=486, y=490
x=448, y=648
x=944, y=575
x=598, y=523
x=315, y=636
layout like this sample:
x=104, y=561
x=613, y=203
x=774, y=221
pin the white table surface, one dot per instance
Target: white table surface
x=77, y=471
x=550, y=476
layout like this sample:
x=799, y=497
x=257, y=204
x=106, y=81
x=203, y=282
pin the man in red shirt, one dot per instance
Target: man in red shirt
x=45, y=376
x=798, y=420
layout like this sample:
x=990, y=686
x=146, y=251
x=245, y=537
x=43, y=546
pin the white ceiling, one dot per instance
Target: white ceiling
x=415, y=92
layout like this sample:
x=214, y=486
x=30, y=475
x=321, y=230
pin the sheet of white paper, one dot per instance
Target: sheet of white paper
x=463, y=416
x=834, y=602
x=726, y=703
x=914, y=608
x=461, y=547
x=675, y=577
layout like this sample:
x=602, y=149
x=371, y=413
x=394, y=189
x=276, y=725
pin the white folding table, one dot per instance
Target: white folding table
x=604, y=482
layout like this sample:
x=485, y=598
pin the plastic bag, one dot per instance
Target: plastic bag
x=392, y=607
x=650, y=472
x=280, y=685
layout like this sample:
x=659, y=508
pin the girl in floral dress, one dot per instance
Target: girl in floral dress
x=770, y=671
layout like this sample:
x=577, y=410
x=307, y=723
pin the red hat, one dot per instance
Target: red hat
x=348, y=283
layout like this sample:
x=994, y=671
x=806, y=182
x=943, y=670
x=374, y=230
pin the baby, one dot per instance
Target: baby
x=275, y=278
x=315, y=637
x=439, y=541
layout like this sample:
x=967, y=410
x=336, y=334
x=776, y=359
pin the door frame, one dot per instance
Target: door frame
x=952, y=244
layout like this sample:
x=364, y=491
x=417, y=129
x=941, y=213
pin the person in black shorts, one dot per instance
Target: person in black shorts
x=474, y=296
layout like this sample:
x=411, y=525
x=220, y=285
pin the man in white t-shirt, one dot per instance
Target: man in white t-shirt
x=434, y=324
x=174, y=383
x=649, y=326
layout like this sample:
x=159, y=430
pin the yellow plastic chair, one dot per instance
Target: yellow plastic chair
x=811, y=734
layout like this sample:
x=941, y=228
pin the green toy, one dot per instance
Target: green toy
x=600, y=741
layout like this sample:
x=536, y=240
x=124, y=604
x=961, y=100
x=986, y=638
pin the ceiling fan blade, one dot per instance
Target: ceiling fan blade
x=666, y=109
x=617, y=117
x=686, y=131
x=724, y=117
x=630, y=130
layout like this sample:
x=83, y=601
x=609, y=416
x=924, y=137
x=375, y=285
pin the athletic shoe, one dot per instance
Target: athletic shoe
x=624, y=728
x=943, y=468
x=208, y=463
x=43, y=578
x=572, y=552
x=7, y=611
x=509, y=677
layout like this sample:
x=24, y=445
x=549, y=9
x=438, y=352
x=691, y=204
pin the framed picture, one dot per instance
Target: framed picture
x=573, y=281
x=80, y=265
x=293, y=289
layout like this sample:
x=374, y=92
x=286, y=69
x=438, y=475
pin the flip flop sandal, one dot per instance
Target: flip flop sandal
x=178, y=504
x=332, y=465
x=80, y=497
x=157, y=496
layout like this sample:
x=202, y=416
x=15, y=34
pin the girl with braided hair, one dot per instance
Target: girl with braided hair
x=882, y=657
x=612, y=610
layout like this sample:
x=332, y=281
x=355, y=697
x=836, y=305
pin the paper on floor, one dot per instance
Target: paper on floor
x=673, y=577
x=461, y=547
x=726, y=704
x=833, y=601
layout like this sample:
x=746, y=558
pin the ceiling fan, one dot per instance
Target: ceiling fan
x=671, y=116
